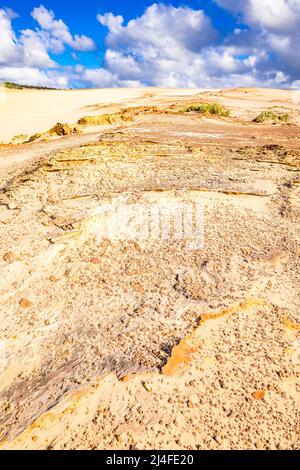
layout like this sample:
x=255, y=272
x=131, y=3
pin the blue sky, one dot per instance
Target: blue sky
x=81, y=18
x=196, y=43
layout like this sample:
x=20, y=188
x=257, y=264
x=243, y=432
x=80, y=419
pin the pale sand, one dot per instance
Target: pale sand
x=31, y=111
x=140, y=345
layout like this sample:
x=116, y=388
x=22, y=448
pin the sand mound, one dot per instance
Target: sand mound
x=63, y=129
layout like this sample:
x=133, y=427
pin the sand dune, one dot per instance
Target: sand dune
x=31, y=111
x=149, y=272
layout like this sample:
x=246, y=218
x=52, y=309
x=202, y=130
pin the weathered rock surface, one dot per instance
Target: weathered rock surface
x=155, y=342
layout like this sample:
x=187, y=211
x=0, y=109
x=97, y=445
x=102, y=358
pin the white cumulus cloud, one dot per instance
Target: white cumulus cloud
x=25, y=58
x=173, y=47
x=275, y=24
x=60, y=32
x=165, y=46
x=279, y=16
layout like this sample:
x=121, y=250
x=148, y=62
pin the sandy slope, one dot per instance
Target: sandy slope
x=31, y=111
x=154, y=343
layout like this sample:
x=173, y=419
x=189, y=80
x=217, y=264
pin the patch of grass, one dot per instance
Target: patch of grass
x=126, y=114
x=13, y=86
x=99, y=120
x=17, y=86
x=19, y=137
x=34, y=137
x=271, y=116
x=209, y=109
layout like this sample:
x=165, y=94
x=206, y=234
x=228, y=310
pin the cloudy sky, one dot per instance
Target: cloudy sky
x=196, y=43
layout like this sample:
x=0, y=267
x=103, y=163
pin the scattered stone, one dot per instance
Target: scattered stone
x=12, y=206
x=146, y=386
x=25, y=303
x=258, y=395
x=217, y=438
x=95, y=261
x=137, y=287
x=10, y=256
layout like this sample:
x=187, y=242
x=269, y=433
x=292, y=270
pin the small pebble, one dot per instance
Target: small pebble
x=10, y=256
x=258, y=395
x=25, y=303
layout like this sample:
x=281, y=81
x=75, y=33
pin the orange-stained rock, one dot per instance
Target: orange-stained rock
x=25, y=303
x=10, y=256
x=181, y=356
x=258, y=395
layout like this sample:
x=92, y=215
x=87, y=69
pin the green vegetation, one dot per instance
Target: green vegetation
x=126, y=114
x=213, y=109
x=12, y=85
x=271, y=116
x=99, y=120
x=34, y=137
x=16, y=86
x=19, y=138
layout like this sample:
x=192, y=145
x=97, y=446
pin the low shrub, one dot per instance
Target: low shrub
x=272, y=116
x=99, y=120
x=213, y=109
x=16, y=86
x=19, y=138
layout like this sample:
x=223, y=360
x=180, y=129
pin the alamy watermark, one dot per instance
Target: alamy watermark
x=164, y=219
